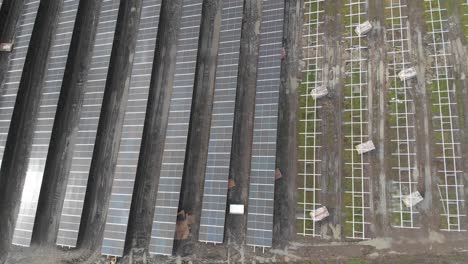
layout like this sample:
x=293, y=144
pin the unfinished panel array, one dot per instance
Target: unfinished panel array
x=355, y=124
x=309, y=171
x=445, y=122
x=401, y=119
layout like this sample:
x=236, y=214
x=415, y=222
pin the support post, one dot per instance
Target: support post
x=193, y=178
x=154, y=131
x=59, y=157
x=286, y=155
x=21, y=133
x=9, y=17
x=104, y=159
x=242, y=137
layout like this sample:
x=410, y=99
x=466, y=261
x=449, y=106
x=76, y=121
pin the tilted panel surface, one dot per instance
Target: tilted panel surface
x=45, y=120
x=176, y=139
x=262, y=174
x=122, y=189
x=86, y=135
x=219, y=147
x=10, y=86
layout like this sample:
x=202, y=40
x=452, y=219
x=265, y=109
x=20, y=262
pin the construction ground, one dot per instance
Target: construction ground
x=419, y=128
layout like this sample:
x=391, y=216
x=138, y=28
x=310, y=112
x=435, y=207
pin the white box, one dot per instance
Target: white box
x=407, y=74
x=319, y=214
x=6, y=47
x=412, y=199
x=319, y=92
x=365, y=147
x=237, y=209
x=363, y=28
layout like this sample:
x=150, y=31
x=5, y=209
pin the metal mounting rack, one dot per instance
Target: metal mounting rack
x=309, y=168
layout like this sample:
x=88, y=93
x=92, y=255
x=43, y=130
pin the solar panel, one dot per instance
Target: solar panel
x=179, y=116
x=9, y=89
x=45, y=120
x=219, y=147
x=122, y=190
x=262, y=175
x=16, y=63
x=84, y=143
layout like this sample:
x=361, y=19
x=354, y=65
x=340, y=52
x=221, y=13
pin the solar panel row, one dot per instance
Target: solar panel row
x=45, y=120
x=177, y=130
x=84, y=143
x=219, y=148
x=262, y=177
x=15, y=68
x=260, y=211
x=121, y=197
x=8, y=98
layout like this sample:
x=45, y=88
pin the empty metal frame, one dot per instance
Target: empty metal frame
x=43, y=130
x=403, y=142
x=356, y=183
x=309, y=133
x=165, y=215
x=219, y=147
x=7, y=102
x=263, y=162
x=84, y=143
x=445, y=121
x=122, y=189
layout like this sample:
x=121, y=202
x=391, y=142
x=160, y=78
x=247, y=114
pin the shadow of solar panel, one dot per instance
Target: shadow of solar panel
x=262, y=176
x=122, y=189
x=174, y=149
x=219, y=147
x=84, y=143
